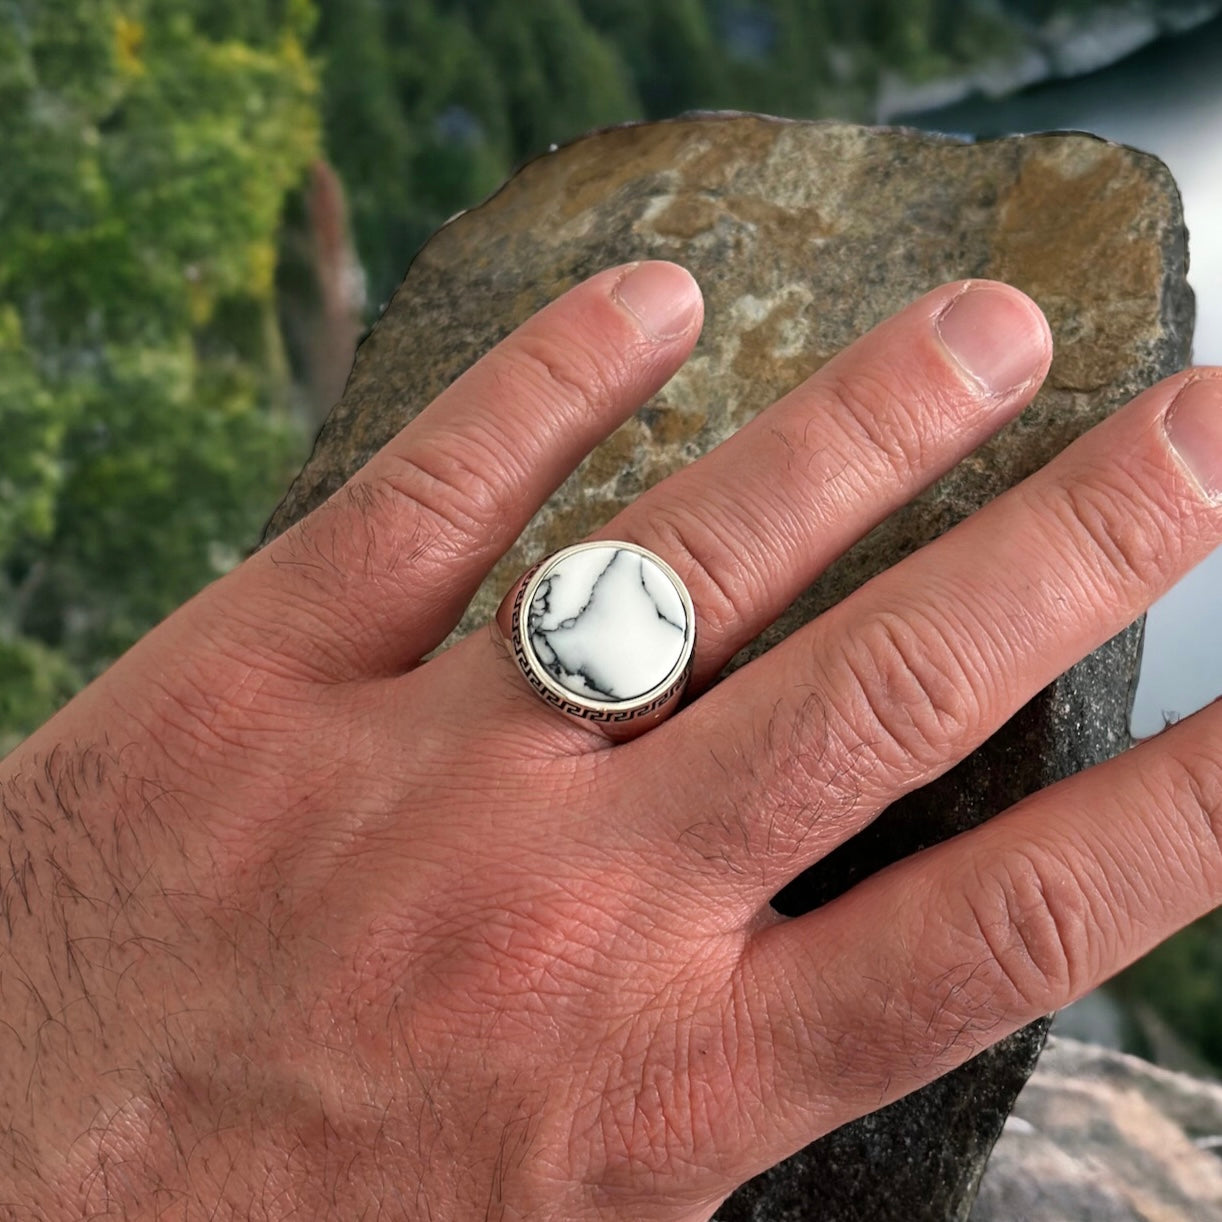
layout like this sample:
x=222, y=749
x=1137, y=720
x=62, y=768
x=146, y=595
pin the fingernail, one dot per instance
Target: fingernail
x=997, y=338
x=662, y=297
x=1194, y=428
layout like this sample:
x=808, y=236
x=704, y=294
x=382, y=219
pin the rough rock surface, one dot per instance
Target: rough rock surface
x=1098, y=1136
x=804, y=235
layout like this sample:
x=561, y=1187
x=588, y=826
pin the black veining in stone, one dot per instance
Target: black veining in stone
x=592, y=663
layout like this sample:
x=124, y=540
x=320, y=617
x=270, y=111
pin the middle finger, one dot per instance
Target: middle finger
x=754, y=522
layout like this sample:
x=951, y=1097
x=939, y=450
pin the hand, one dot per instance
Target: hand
x=301, y=926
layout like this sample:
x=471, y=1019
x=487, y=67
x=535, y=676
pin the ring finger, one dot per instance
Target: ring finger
x=751, y=524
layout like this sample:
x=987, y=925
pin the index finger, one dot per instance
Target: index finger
x=380, y=574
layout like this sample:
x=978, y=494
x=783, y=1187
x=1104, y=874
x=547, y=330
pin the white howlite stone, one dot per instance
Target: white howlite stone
x=607, y=623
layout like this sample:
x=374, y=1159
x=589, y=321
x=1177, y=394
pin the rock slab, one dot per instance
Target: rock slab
x=1098, y=1136
x=803, y=236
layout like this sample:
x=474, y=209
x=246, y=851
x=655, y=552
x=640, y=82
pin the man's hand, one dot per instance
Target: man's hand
x=297, y=925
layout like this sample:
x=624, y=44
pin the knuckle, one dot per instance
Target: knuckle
x=321, y=548
x=1027, y=922
x=539, y=368
x=704, y=551
x=310, y=548
x=874, y=411
x=453, y=488
x=1115, y=530
x=1196, y=795
x=911, y=694
x=816, y=780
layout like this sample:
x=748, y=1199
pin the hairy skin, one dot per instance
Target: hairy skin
x=297, y=925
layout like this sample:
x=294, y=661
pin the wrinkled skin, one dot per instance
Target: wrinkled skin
x=300, y=926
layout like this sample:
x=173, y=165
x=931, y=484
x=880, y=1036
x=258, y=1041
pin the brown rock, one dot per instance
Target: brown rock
x=803, y=236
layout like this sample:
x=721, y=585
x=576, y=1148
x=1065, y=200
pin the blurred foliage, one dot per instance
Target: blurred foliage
x=1181, y=981
x=147, y=149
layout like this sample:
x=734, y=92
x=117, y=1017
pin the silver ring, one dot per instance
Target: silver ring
x=604, y=632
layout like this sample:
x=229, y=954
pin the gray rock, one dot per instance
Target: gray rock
x=920, y=1159
x=1096, y=1018
x=804, y=235
x=1098, y=1136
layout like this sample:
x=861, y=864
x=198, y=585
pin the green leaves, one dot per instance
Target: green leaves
x=33, y=430
x=147, y=152
x=148, y=148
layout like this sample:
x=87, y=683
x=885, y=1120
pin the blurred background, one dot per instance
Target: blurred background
x=205, y=203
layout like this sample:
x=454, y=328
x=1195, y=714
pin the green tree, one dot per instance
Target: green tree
x=429, y=105
x=148, y=147
x=1181, y=981
x=670, y=50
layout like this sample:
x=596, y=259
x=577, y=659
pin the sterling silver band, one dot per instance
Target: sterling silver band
x=604, y=632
